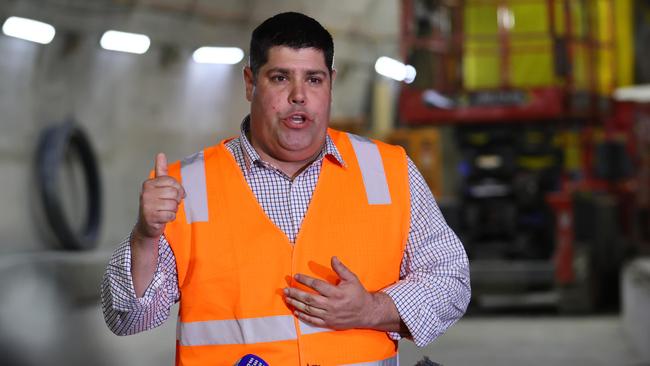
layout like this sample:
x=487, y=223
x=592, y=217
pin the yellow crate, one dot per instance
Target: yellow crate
x=605, y=25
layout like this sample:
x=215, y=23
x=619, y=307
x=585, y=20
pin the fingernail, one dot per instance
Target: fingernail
x=286, y=291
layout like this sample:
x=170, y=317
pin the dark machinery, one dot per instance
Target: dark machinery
x=546, y=156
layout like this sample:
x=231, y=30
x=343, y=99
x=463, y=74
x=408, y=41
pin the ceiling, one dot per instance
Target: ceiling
x=372, y=19
x=362, y=29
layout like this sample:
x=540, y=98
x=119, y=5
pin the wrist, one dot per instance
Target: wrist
x=142, y=241
x=372, y=312
x=140, y=235
x=382, y=313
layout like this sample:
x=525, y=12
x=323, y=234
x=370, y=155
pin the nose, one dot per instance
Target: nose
x=297, y=94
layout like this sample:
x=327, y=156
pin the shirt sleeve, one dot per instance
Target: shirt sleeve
x=124, y=312
x=434, y=289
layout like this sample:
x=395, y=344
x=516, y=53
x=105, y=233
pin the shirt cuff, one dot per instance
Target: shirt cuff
x=121, y=280
x=407, y=296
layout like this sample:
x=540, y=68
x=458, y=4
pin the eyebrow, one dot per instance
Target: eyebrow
x=317, y=72
x=287, y=71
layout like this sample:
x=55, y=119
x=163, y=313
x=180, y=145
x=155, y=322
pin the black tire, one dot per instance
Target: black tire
x=54, y=142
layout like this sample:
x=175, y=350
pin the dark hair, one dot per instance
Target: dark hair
x=289, y=29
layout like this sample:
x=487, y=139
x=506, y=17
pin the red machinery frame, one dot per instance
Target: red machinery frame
x=544, y=103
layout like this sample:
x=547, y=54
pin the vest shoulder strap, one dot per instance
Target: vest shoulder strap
x=193, y=178
x=372, y=169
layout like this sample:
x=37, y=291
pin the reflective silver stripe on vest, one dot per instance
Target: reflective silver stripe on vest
x=310, y=329
x=387, y=362
x=241, y=331
x=372, y=170
x=193, y=176
x=252, y=330
x=306, y=329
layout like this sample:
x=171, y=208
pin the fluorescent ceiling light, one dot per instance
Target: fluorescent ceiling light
x=506, y=17
x=435, y=99
x=28, y=29
x=125, y=42
x=218, y=55
x=634, y=93
x=395, y=70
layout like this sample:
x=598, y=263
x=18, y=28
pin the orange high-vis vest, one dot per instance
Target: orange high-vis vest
x=233, y=262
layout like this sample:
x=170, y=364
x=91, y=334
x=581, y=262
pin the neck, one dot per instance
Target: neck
x=291, y=168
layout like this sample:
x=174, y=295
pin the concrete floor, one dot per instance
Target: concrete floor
x=546, y=340
x=485, y=340
x=42, y=335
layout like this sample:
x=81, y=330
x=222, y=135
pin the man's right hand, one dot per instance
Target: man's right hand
x=159, y=200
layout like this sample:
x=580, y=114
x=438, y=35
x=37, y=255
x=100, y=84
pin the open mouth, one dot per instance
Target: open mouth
x=296, y=120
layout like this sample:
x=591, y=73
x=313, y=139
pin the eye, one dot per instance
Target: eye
x=279, y=78
x=315, y=80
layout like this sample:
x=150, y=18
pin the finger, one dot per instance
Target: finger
x=307, y=309
x=310, y=319
x=161, y=165
x=169, y=193
x=343, y=271
x=182, y=192
x=306, y=298
x=163, y=217
x=170, y=205
x=322, y=287
x=167, y=181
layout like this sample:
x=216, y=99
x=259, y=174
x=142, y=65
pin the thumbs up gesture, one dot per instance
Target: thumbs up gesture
x=159, y=200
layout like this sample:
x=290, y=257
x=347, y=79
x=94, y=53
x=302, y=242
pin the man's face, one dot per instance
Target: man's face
x=290, y=104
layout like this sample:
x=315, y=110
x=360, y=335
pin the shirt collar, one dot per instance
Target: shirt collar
x=252, y=157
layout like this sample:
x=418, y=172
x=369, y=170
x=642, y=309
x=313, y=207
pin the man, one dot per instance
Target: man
x=297, y=243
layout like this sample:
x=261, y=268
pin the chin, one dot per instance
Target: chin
x=298, y=152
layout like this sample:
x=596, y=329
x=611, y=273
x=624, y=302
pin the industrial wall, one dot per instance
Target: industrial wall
x=133, y=106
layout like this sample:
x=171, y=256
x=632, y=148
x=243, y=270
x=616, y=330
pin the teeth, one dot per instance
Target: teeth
x=298, y=119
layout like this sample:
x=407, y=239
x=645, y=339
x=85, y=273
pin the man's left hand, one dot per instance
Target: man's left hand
x=343, y=306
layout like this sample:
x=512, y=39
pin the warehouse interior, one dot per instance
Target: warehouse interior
x=529, y=119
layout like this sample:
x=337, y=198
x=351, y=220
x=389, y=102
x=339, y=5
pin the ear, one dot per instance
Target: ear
x=333, y=75
x=249, y=82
